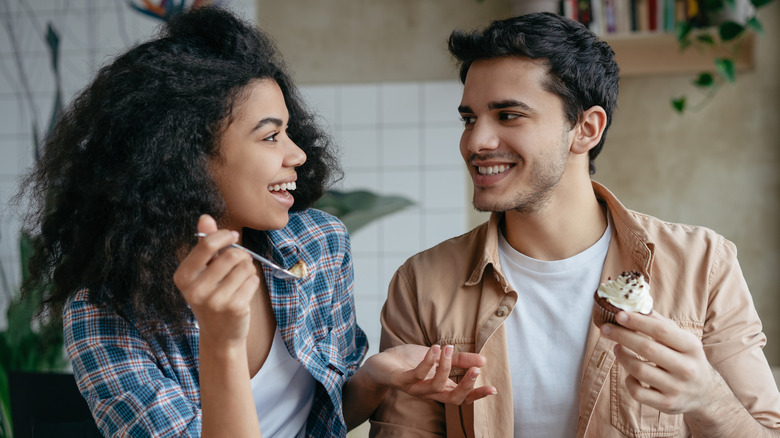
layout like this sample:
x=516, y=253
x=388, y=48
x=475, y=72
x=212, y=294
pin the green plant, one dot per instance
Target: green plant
x=31, y=342
x=358, y=208
x=717, y=28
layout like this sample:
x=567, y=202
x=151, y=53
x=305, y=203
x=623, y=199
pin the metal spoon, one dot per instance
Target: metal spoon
x=276, y=270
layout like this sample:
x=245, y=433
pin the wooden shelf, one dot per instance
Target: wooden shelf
x=644, y=54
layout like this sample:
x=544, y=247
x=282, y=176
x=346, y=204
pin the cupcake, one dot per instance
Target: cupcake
x=629, y=292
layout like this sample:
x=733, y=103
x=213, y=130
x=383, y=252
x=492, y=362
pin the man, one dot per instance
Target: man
x=539, y=94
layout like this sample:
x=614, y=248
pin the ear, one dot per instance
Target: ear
x=589, y=130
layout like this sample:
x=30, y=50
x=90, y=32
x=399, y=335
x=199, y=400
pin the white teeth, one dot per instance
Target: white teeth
x=282, y=187
x=492, y=170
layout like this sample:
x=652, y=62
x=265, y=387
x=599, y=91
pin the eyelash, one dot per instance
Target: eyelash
x=467, y=120
x=271, y=137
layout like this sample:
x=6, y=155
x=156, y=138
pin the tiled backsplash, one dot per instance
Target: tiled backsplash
x=395, y=138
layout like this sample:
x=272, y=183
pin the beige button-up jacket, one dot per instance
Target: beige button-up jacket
x=456, y=293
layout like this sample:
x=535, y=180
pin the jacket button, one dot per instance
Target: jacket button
x=502, y=311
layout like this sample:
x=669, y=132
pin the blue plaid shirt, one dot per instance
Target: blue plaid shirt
x=141, y=386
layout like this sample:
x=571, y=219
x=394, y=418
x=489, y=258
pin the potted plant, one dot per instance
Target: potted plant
x=720, y=27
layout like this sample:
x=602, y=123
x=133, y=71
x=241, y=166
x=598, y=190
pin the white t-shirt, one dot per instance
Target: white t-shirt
x=546, y=335
x=283, y=392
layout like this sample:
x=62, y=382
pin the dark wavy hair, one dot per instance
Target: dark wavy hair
x=582, y=68
x=124, y=175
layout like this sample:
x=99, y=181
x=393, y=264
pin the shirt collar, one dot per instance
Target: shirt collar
x=631, y=232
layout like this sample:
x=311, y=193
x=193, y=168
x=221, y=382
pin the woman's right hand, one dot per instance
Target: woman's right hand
x=219, y=283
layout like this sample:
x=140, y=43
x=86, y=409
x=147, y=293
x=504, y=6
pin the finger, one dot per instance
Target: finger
x=240, y=301
x=222, y=276
x=644, y=371
x=465, y=386
x=424, y=368
x=646, y=347
x=202, y=253
x=660, y=328
x=442, y=376
x=227, y=288
x=479, y=393
x=649, y=396
x=206, y=224
x=468, y=360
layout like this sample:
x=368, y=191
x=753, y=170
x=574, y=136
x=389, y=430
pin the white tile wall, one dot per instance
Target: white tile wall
x=91, y=32
x=394, y=138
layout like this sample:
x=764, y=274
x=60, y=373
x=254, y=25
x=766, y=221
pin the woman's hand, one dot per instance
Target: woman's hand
x=424, y=372
x=218, y=283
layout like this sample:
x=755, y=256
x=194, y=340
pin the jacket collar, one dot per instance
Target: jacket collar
x=637, y=247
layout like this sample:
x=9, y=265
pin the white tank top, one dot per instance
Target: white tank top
x=283, y=392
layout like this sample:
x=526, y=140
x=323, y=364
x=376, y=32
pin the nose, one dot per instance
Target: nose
x=295, y=156
x=480, y=138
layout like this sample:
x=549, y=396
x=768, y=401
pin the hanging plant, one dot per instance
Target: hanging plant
x=720, y=27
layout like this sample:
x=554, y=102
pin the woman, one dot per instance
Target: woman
x=201, y=130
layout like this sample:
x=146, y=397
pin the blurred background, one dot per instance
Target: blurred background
x=379, y=76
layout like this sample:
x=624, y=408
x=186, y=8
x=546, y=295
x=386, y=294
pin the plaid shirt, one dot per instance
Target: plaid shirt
x=140, y=385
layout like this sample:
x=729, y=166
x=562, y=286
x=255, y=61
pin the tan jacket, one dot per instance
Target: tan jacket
x=455, y=293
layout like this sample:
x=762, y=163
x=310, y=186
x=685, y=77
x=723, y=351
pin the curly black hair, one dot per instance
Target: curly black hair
x=123, y=177
x=582, y=68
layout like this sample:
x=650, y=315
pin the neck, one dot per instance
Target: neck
x=571, y=222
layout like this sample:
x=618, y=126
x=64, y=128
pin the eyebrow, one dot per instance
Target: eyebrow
x=272, y=120
x=501, y=104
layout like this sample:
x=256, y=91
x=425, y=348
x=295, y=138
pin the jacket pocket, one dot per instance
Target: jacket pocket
x=633, y=419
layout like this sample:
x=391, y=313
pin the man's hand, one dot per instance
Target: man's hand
x=675, y=376
x=424, y=372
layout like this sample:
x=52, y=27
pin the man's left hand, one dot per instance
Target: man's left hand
x=673, y=374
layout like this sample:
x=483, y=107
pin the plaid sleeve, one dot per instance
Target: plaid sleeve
x=352, y=336
x=118, y=375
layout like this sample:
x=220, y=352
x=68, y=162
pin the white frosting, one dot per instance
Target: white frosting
x=629, y=292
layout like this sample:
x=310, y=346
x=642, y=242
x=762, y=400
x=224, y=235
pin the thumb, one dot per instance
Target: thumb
x=206, y=224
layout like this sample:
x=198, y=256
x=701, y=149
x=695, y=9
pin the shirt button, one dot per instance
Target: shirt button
x=502, y=311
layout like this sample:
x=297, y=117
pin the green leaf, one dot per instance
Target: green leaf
x=704, y=80
x=754, y=24
x=706, y=39
x=679, y=104
x=5, y=401
x=682, y=30
x=726, y=69
x=729, y=30
x=360, y=207
x=760, y=3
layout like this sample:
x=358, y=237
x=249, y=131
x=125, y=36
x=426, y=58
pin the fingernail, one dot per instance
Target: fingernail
x=435, y=348
x=494, y=391
x=448, y=351
x=235, y=235
x=622, y=317
x=605, y=329
x=475, y=374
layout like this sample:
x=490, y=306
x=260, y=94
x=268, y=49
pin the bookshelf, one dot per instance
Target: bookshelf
x=642, y=54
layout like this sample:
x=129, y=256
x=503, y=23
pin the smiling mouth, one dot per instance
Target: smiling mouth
x=283, y=188
x=492, y=170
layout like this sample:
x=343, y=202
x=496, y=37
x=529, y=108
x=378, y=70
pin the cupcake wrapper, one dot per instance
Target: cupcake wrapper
x=602, y=315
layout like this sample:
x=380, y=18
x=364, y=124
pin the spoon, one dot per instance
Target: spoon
x=276, y=270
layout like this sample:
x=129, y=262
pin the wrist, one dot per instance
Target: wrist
x=371, y=378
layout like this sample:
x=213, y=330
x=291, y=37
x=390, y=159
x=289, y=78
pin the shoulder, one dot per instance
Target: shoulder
x=459, y=254
x=679, y=236
x=312, y=222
